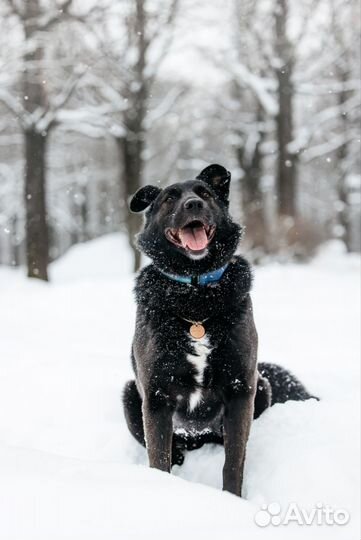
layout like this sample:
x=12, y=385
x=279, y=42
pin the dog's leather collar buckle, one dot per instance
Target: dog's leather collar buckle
x=201, y=279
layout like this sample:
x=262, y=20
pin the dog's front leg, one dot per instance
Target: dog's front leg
x=237, y=421
x=158, y=430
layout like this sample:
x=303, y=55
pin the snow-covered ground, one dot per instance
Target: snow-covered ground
x=70, y=470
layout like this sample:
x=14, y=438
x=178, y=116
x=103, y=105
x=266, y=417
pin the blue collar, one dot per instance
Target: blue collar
x=202, y=279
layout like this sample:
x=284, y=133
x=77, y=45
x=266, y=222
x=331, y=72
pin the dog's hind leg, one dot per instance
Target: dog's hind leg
x=284, y=385
x=263, y=397
x=132, y=403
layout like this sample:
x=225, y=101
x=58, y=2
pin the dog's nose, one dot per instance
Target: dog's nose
x=194, y=203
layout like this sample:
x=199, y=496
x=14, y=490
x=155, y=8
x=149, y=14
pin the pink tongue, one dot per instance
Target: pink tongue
x=193, y=238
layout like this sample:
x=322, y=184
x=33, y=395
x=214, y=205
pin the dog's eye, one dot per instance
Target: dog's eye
x=169, y=199
x=204, y=194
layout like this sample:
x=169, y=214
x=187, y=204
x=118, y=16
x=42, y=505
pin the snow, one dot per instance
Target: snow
x=69, y=468
x=105, y=258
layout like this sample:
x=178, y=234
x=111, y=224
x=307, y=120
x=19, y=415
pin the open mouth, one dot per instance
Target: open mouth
x=195, y=236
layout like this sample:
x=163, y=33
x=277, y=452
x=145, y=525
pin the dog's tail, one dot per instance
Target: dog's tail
x=278, y=385
x=284, y=384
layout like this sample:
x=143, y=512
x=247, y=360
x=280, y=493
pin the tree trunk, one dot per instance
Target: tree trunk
x=130, y=157
x=286, y=163
x=37, y=241
x=16, y=252
x=344, y=217
x=131, y=146
x=344, y=212
x=252, y=195
x=37, y=235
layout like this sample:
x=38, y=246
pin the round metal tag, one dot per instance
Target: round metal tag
x=197, y=331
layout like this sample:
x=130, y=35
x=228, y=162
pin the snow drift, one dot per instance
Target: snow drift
x=69, y=468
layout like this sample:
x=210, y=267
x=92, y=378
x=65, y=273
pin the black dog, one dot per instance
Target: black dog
x=195, y=346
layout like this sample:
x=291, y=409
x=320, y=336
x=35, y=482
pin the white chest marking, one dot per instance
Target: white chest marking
x=202, y=349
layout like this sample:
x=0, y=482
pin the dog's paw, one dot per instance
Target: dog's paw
x=177, y=457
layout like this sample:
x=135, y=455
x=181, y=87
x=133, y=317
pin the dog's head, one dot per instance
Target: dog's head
x=187, y=225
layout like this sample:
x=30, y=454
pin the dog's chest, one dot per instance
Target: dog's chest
x=199, y=360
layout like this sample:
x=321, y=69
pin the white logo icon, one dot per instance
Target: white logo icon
x=268, y=514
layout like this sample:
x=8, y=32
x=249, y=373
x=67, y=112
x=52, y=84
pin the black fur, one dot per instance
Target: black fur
x=156, y=404
x=285, y=386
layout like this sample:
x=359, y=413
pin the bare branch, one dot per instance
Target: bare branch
x=164, y=107
x=46, y=21
x=15, y=10
x=327, y=147
x=62, y=99
x=325, y=88
x=93, y=115
x=261, y=87
x=166, y=21
x=306, y=134
x=307, y=17
x=13, y=105
x=161, y=30
x=107, y=92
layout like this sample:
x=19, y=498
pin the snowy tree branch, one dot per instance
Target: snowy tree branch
x=327, y=147
x=261, y=87
x=326, y=88
x=14, y=8
x=306, y=134
x=13, y=105
x=164, y=106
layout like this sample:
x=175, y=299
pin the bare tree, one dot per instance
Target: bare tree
x=133, y=63
x=284, y=71
x=36, y=112
x=272, y=124
x=347, y=58
x=268, y=74
x=252, y=111
x=330, y=78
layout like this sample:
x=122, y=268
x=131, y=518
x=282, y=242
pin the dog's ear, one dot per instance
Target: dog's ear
x=143, y=198
x=218, y=178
